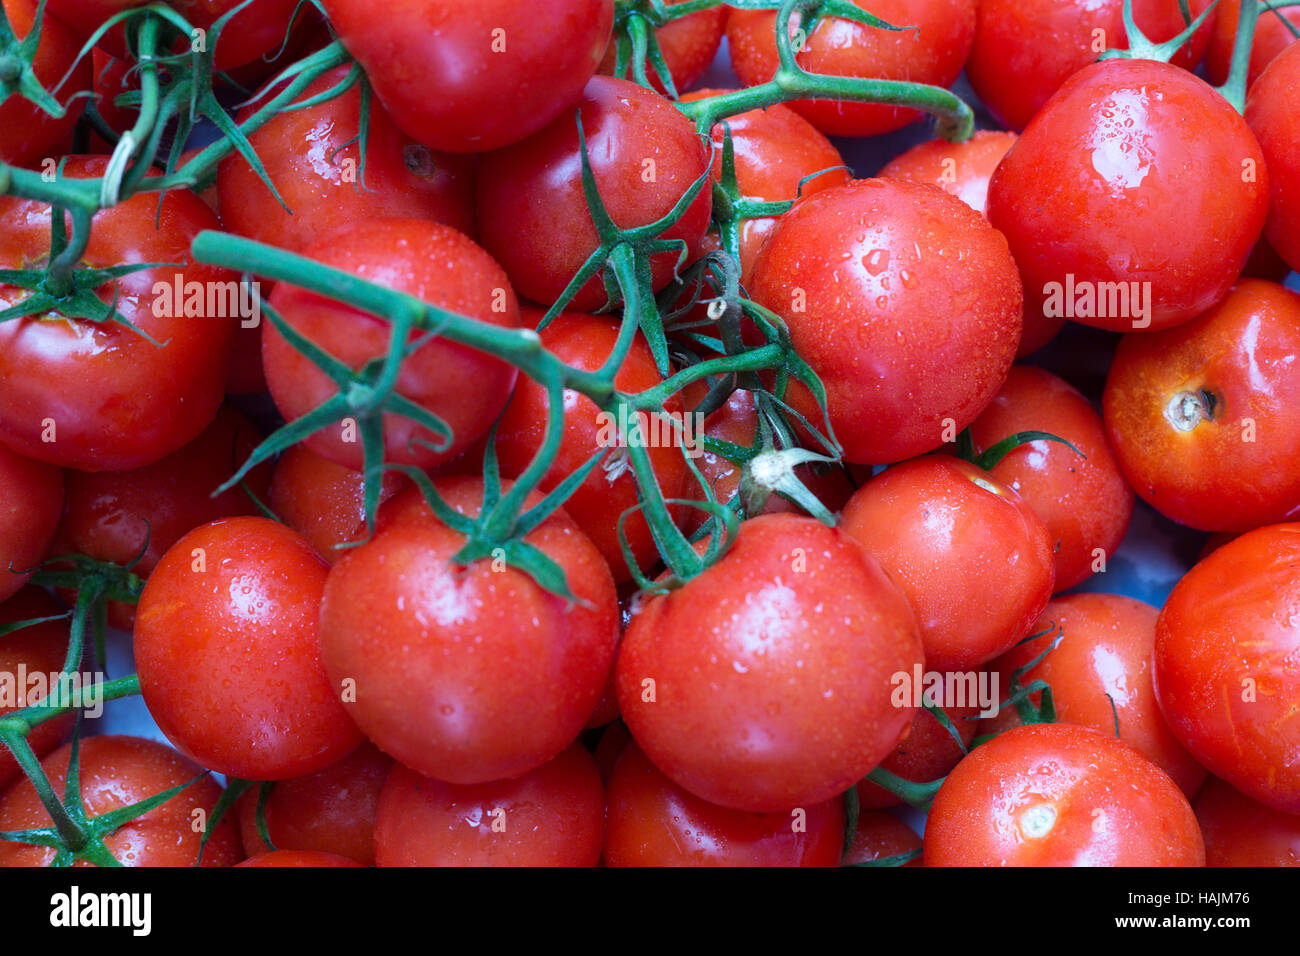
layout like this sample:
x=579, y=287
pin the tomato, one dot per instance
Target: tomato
x=328, y=812
x=765, y=682
x=550, y=816
x=906, y=303
x=467, y=675
x=1240, y=832
x=948, y=532
x=651, y=821
x=88, y=395
x=313, y=156
x=1060, y=795
x=298, y=858
x=1202, y=417
x=1270, y=111
x=502, y=69
x=688, y=45
x=1225, y=674
x=37, y=649
x=925, y=754
x=28, y=134
x=932, y=53
x=1025, y=49
x=1272, y=36
x=1081, y=496
x=308, y=34
x=228, y=652
x=112, y=78
x=31, y=497
x=880, y=835
x=115, y=772
x=1133, y=199
x=465, y=388
x=531, y=211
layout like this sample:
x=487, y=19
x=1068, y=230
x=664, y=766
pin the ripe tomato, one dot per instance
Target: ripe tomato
x=1271, y=113
x=946, y=531
x=1225, y=675
x=550, y=816
x=258, y=28
x=932, y=53
x=1083, y=499
x=651, y=821
x=465, y=388
x=1203, y=417
x=38, y=649
x=1025, y=49
x=31, y=497
x=764, y=683
x=298, y=858
x=115, y=772
x=329, y=812
x=531, y=211
x=88, y=395
x=228, y=653
x=1133, y=199
x=925, y=754
x=1060, y=795
x=502, y=69
x=1272, y=36
x=1240, y=832
x=889, y=288
x=880, y=835
x=688, y=45
x=28, y=134
x=319, y=175
x=467, y=675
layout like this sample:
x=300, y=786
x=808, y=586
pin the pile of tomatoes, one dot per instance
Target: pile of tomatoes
x=503, y=451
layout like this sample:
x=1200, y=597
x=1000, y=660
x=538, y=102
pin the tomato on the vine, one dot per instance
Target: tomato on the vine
x=927, y=753
x=28, y=134
x=880, y=836
x=1272, y=36
x=31, y=499
x=688, y=45
x=35, y=649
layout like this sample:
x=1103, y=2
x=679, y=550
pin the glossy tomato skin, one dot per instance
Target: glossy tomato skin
x=765, y=682
x=1203, y=417
x=40, y=649
x=115, y=772
x=1100, y=673
x=1272, y=36
x=1225, y=675
x=947, y=531
x=925, y=754
x=331, y=811
x=31, y=497
x=1134, y=172
x=308, y=858
x=1271, y=113
x=880, y=835
x=1060, y=795
x=502, y=69
x=651, y=821
x=1081, y=496
x=96, y=388
x=319, y=176
x=1240, y=832
x=889, y=288
x=933, y=53
x=28, y=134
x=688, y=45
x=465, y=388
x=533, y=217
x=550, y=816
x=497, y=688
x=227, y=648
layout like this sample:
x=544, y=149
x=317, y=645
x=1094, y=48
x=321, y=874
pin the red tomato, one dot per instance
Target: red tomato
x=688, y=45
x=39, y=649
x=89, y=395
x=932, y=53
x=318, y=174
x=1203, y=417
x=1272, y=36
x=1133, y=199
x=1083, y=500
x=880, y=835
x=1240, y=832
x=1025, y=49
x=651, y=821
x=298, y=858
x=115, y=772
x=903, y=300
x=502, y=69
x=31, y=497
x=1271, y=113
x=550, y=816
x=112, y=78
x=465, y=388
x=474, y=674
x=329, y=812
x=948, y=533
x=765, y=682
x=927, y=753
x=531, y=211
x=1060, y=795
x=1225, y=674
x=228, y=653
x=28, y=134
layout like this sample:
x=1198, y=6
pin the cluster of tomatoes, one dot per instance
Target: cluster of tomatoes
x=321, y=414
